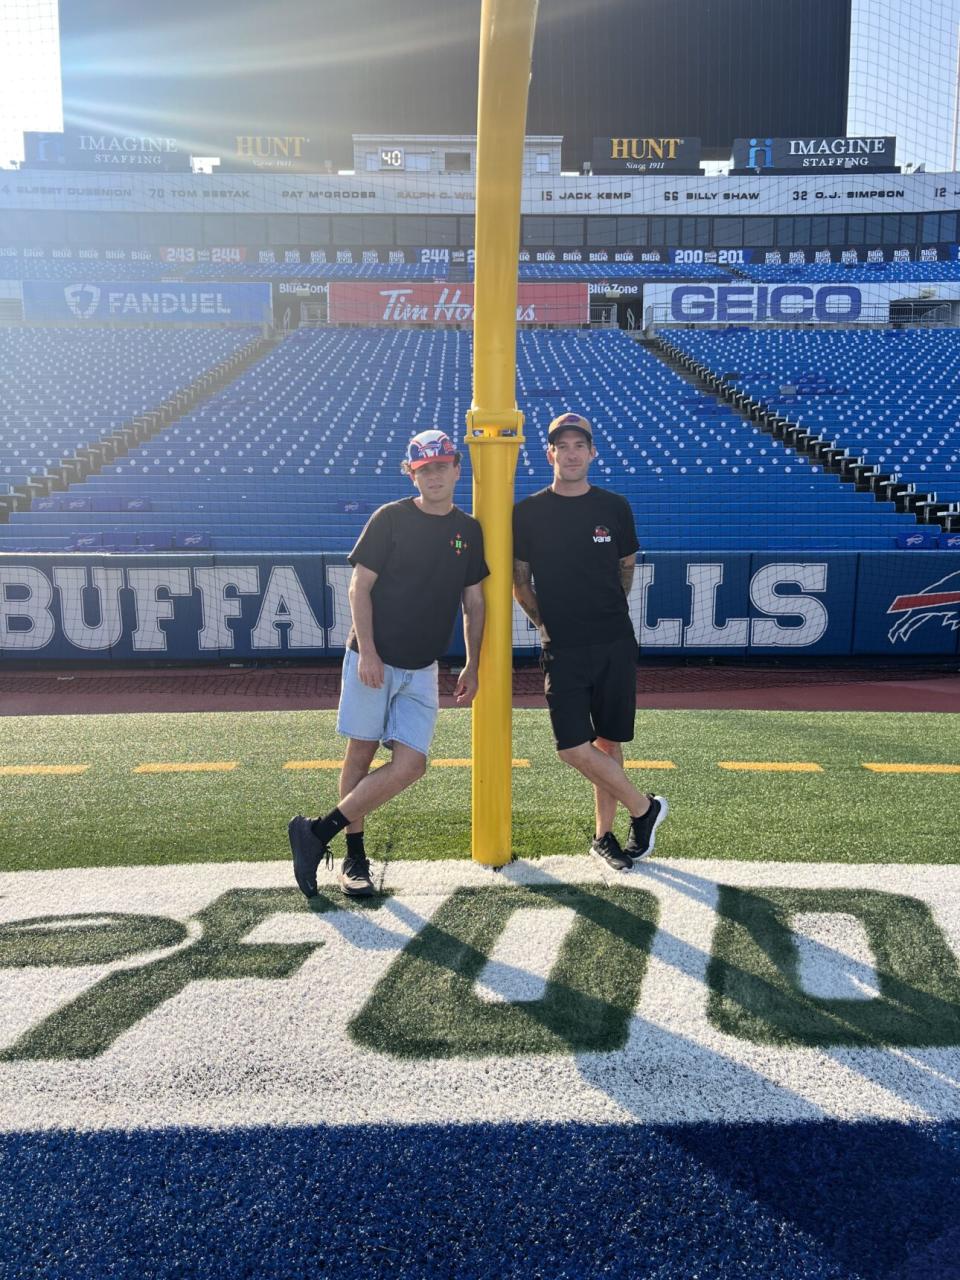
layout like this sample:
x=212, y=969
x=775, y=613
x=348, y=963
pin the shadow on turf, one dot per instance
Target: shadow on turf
x=924, y=1085
x=822, y=1201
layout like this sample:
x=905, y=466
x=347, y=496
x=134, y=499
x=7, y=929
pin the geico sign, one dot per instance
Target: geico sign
x=788, y=302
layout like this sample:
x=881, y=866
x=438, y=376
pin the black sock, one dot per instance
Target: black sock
x=355, y=844
x=329, y=825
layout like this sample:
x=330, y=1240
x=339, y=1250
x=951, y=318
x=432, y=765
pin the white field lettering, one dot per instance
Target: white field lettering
x=215, y=995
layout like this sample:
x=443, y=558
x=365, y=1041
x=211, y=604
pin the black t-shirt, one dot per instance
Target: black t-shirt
x=574, y=547
x=423, y=563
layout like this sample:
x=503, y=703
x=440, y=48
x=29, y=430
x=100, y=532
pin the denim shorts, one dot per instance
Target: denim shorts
x=404, y=708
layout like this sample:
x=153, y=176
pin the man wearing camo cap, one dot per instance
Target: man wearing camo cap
x=414, y=564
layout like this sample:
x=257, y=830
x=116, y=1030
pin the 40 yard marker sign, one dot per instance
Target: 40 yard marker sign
x=215, y=996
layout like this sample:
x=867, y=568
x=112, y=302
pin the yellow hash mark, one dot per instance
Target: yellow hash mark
x=913, y=768
x=217, y=766
x=649, y=764
x=23, y=770
x=467, y=763
x=326, y=764
x=771, y=766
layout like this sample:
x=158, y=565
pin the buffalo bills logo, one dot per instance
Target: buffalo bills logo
x=940, y=600
x=601, y=534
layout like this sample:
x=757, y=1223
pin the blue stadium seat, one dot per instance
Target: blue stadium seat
x=297, y=450
x=65, y=389
x=888, y=396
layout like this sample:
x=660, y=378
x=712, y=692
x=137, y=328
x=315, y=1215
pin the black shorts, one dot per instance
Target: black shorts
x=592, y=691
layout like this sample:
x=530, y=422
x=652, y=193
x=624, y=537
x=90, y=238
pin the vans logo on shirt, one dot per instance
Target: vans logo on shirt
x=601, y=534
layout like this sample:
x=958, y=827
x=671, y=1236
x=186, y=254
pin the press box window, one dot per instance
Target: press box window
x=758, y=232
x=220, y=229
x=441, y=230
x=601, y=232
x=411, y=229
x=456, y=161
x=632, y=230
x=568, y=231
x=377, y=228
x=347, y=229
x=314, y=230
x=543, y=162
x=418, y=161
x=538, y=231
x=728, y=233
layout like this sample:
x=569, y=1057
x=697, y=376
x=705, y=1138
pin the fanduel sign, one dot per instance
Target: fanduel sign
x=809, y=154
x=137, y=302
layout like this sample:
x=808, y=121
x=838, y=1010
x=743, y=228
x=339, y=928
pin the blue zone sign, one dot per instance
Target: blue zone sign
x=64, y=607
x=135, y=302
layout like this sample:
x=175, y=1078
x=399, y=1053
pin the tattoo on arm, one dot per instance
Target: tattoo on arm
x=627, y=566
x=523, y=592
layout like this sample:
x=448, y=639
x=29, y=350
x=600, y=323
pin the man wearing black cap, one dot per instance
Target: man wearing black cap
x=575, y=549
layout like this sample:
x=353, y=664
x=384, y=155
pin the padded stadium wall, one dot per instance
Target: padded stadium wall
x=63, y=608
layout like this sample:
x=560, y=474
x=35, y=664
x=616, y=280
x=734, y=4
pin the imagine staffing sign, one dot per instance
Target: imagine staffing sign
x=799, y=155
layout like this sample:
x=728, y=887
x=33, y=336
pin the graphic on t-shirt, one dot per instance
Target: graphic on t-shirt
x=459, y=543
x=601, y=534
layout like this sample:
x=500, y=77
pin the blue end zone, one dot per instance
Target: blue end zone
x=772, y=1202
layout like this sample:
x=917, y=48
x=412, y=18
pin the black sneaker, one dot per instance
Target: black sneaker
x=643, y=830
x=607, y=849
x=308, y=853
x=355, y=879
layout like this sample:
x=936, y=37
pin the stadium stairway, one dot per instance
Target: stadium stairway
x=89, y=460
x=853, y=470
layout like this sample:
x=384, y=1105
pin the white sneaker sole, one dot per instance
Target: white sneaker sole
x=664, y=810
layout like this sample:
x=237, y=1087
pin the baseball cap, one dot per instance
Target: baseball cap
x=569, y=422
x=430, y=446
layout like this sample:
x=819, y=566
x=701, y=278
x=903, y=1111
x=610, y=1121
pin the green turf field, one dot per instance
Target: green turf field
x=843, y=812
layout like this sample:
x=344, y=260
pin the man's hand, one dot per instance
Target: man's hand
x=370, y=669
x=467, y=684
